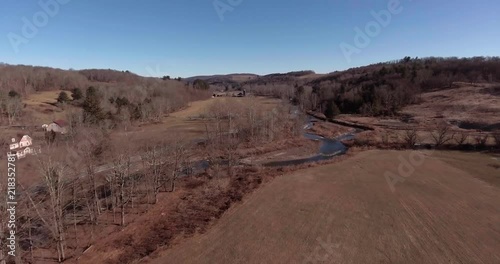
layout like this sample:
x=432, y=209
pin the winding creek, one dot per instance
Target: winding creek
x=329, y=149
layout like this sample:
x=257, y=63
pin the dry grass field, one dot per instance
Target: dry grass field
x=41, y=107
x=466, y=106
x=45, y=97
x=468, y=103
x=447, y=211
x=185, y=124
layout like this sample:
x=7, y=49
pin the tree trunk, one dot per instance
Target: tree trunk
x=74, y=219
x=172, y=184
x=96, y=196
x=122, y=201
x=113, y=200
x=30, y=237
x=91, y=217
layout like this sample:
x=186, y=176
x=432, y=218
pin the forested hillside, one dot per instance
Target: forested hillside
x=119, y=95
x=378, y=89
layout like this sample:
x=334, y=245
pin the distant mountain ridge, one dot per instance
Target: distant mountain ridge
x=238, y=79
x=223, y=78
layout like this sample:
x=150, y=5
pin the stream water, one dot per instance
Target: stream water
x=329, y=149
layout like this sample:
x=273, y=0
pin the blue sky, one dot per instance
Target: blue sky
x=188, y=37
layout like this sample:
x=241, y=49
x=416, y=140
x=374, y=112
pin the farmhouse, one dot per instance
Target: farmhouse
x=25, y=141
x=22, y=148
x=58, y=126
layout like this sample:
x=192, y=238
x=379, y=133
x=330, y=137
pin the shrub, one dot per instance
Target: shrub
x=13, y=93
x=62, y=98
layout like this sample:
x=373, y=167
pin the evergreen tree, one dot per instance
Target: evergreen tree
x=77, y=94
x=92, y=111
x=63, y=97
x=332, y=109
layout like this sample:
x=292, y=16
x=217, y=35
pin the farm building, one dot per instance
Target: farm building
x=24, y=152
x=230, y=94
x=22, y=148
x=58, y=126
x=25, y=141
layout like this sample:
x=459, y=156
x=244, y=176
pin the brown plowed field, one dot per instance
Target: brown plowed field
x=447, y=211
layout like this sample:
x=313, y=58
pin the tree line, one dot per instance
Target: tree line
x=104, y=95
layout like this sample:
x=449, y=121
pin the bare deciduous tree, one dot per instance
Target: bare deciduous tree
x=481, y=140
x=27, y=215
x=460, y=138
x=411, y=137
x=441, y=135
x=153, y=158
x=179, y=154
x=87, y=148
x=74, y=202
x=14, y=107
x=230, y=148
x=53, y=173
x=496, y=137
x=212, y=156
x=121, y=175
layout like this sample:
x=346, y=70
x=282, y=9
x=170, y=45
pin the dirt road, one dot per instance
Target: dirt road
x=347, y=213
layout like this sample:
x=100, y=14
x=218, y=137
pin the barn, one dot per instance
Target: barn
x=58, y=126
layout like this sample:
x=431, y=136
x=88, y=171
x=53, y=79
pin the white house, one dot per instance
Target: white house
x=26, y=141
x=14, y=145
x=22, y=147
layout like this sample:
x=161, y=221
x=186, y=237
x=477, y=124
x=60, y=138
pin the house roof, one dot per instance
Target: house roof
x=61, y=123
x=25, y=137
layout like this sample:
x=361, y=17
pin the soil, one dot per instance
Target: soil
x=347, y=213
